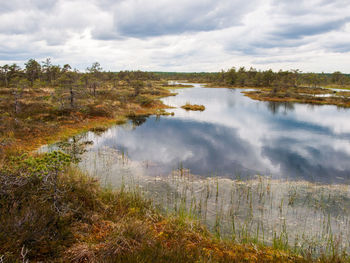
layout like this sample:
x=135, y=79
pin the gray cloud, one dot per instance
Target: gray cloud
x=15, y=5
x=299, y=30
x=340, y=47
x=183, y=35
x=154, y=18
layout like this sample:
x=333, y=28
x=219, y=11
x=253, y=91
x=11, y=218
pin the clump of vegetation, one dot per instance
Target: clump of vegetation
x=162, y=112
x=99, y=129
x=301, y=95
x=194, y=107
x=176, y=85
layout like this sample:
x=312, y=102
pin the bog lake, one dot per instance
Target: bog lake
x=268, y=172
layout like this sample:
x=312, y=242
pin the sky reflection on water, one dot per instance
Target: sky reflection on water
x=237, y=137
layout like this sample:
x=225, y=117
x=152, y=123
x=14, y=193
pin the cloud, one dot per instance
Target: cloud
x=147, y=18
x=287, y=140
x=217, y=150
x=15, y=5
x=313, y=164
x=198, y=35
x=299, y=30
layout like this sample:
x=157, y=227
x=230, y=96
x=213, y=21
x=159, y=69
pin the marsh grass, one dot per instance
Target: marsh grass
x=95, y=224
x=305, y=218
x=298, y=217
x=308, y=219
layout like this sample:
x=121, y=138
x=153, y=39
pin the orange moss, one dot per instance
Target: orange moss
x=261, y=96
x=193, y=107
x=40, y=123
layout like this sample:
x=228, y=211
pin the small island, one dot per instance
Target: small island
x=193, y=107
x=177, y=86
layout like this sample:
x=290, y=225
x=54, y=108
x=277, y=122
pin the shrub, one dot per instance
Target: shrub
x=143, y=100
x=98, y=111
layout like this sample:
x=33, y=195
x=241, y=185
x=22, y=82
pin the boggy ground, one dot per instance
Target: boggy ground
x=42, y=116
x=54, y=213
x=302, y=95
x=194, y=107
x=311, y=95
x=51, y=212
x=176, y=85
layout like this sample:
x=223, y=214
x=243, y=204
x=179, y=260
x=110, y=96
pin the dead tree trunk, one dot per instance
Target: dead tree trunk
x=71, y=96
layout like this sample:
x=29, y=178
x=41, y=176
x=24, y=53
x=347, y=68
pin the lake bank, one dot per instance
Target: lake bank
x=42, y=120
x=95, y=233
x=92, y=224
x=330, y=95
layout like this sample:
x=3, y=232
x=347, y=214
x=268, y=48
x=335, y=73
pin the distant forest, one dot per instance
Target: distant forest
x=46, y=73
x=268, y=78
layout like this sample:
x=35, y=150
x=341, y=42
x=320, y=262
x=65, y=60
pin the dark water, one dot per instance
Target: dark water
x=234, y=137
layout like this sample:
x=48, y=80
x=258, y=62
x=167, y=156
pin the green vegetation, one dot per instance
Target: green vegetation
x=174, y=85
x=193, y=107
x=177, y=86
x=52, y=212
x=199, y=77
x=257, y=78
x=282, y=86
x=301, y=95
x=40, y=104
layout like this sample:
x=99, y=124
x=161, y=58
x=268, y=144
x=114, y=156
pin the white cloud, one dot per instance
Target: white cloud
x=179, y=35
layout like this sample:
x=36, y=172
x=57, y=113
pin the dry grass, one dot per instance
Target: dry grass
x=301, y=95
x=193, y=107
x=177, y=86
x=101, y=225
x=42, y=118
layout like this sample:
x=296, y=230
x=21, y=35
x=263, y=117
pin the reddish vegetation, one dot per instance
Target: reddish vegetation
x=193, y=107
x=301, y=95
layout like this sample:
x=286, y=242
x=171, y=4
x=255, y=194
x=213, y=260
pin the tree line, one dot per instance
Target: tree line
x=68, y=83
x=257, y=78
x=47, y=74
x=282, y=78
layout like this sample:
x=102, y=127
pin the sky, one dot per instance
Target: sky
x=181, y=35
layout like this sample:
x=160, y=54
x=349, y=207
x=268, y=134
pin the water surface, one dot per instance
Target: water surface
x=235, y=137
x=205, y=164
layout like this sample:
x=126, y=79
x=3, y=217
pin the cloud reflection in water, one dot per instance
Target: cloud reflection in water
x=236, y=136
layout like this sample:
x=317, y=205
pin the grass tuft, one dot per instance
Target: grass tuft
x=193, y=107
